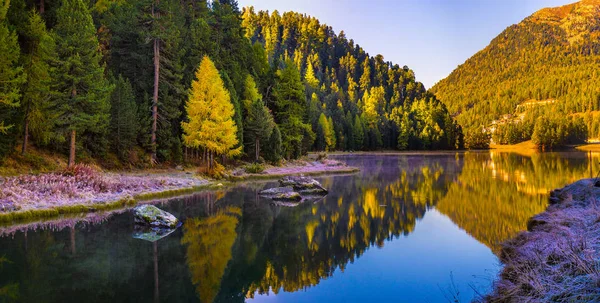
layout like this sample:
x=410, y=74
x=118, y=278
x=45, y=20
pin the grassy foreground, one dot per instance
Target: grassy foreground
x=556, y=259
x=28, y=198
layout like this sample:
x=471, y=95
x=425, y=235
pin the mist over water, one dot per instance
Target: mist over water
x=406, y=228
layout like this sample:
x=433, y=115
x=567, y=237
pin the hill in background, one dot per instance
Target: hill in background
x=546, y=66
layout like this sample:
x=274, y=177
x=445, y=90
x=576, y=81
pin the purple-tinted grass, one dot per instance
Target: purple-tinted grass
x=558, y=258
x=299, y=167
x=82, y=185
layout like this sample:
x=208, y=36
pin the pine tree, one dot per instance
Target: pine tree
x=259, y=121
x=11, y=74
x=123, y=117
x=309, y=76
x=258, y=127
x=36, y=91
x=404, y=132
x=290, y=112
x=359, y=133
x=365, y=78
x=251, y=93
x=81, y=101
x=274, y=148
x=331, y=136
x=322, y=125
x=326, y=134
x=210, y=115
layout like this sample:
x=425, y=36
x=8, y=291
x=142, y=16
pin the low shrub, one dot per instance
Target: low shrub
x=321, y=156
x=254, y=168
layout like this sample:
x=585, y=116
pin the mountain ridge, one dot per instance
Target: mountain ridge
x=552, y=54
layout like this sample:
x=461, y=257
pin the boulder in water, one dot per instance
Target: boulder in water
x=304, y=185
x=152, y=216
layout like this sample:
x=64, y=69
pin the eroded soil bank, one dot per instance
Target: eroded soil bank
x=558, y=258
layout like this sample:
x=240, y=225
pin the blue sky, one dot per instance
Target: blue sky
x=432, y=37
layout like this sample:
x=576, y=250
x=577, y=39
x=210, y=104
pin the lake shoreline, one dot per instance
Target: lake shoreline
x=31, y=198
x=555, y=260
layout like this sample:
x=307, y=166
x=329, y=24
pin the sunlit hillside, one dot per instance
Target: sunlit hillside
x=546, y=65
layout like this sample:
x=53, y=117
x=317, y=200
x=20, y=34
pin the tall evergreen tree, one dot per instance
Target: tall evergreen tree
x=258, y=127
x=123, y=117
x=274, y=148
x=82, y=91
x=11, y=74
x=359, y=133
x=290, y=111
x=259, y=121
x=40, y=49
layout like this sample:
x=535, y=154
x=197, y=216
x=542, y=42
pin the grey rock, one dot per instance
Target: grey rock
x=303, y=184
x=152, y=216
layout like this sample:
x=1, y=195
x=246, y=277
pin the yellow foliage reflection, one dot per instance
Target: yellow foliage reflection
x=496, y=193
x=209, y=242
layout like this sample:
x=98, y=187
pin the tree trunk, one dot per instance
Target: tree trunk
x=42, y=7
x=257, y=149
x=25, y=135
x=205, y=157
x=155, y=94
x=72, y=149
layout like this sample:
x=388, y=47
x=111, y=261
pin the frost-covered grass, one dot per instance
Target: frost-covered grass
x=297, y=167
x=83, y=187
x=558, y=258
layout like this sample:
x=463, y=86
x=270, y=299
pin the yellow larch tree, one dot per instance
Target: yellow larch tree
x=210, y=114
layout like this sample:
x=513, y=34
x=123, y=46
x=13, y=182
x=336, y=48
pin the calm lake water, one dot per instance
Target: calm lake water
x=407, y=228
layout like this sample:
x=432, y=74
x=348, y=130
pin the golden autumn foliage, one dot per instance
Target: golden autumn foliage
x=210, y=113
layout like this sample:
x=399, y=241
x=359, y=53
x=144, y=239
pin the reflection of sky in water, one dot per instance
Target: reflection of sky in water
x=413, y=268
x=444, y=214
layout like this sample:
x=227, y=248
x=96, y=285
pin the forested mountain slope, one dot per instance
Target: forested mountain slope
x=547, y=65
x=358, y=93
x=114, y=79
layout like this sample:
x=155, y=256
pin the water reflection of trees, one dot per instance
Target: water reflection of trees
x=289, y=249
x=235, y=244
x=496, y=193
x=209, y=241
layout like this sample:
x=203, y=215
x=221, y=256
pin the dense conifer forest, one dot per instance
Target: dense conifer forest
x=123, y=80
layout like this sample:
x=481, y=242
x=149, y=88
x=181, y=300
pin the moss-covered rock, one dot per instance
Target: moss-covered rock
x=303, y=184
x=151, y=215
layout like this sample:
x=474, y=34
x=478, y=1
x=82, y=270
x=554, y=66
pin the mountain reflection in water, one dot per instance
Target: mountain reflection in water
x=403, y=229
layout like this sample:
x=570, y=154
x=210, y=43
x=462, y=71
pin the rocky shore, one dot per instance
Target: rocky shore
x=85, y=189
x=558, y=258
